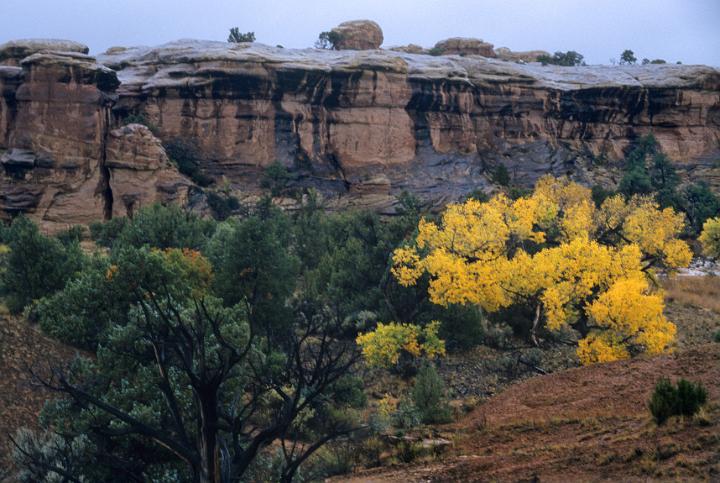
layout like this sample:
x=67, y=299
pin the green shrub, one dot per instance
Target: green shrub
x=717, y=336
x=516, y=192
x=408, y=451
x=406, y=415
x=35, y=266
x=275, y=178
x=699, y=204
x=478, y=195
x=160, y=226
x=72, y=235
x=501, y=175
x=81, y=311
x=683, y=399
x=222, y=205
x=663, y=401
x=497, y=334
x=462, y=326
x=185, y=153
x=429, y=396
x=339, y=458
x=691, y=396
x=569, y=58
x=600, y=194
x=141, y=119
x=104, y=233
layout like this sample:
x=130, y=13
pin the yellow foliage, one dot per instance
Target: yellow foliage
x=629, y=312
x=601, y=348
x=710, y=237
x=554, y=249
x=406, y=266
x=655, y=231
x=383, y=346
x=386, y=406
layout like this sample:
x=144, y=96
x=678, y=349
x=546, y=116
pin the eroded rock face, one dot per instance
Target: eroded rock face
x=11, y=53
x=140, y=172
x=465, y=46
x=358, y=126
x=359, y=35
x=432, y=125
x=56, y=118
x=10, y=79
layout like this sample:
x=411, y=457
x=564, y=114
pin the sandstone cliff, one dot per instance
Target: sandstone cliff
x=359, y=126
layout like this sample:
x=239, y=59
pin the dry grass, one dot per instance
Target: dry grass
x=702, y=292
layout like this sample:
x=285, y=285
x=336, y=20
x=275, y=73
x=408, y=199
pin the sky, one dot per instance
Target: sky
x=684, y=30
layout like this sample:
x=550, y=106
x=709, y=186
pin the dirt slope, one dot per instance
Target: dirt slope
x=585, y=424
x=21, y=347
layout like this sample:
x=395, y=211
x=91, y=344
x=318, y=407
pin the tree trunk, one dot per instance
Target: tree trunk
x=209, y=460
x=536, y=322
x=582, y=326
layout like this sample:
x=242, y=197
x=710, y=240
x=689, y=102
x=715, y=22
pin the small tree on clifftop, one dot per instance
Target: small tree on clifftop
x=567, y=59
x=327, y=40
x=628, y=57
x=237, y=37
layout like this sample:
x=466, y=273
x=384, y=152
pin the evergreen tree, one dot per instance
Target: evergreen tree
x=35, y=265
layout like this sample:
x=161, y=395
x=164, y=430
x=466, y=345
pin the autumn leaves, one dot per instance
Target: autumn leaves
x=573, y=264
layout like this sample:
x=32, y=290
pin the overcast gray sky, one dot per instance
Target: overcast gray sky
x=686, y=30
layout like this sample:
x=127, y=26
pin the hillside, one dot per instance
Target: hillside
x=22, y=348
x=584, y=424
x=587, y=423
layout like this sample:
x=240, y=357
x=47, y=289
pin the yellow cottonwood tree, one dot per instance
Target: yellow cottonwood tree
x=553, y=251
x=383, y=346
x=710, y=237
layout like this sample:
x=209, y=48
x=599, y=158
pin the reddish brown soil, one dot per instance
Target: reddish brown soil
x=23, y=347
x=584, y=424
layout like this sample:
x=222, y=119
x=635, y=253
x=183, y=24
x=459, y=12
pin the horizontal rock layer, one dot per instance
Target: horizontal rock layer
x=359, y=126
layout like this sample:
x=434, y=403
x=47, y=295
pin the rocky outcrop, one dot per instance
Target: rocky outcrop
x=464, y=46
x=11, y=53
x=358, y=126
x=526, y=56
x=409, y=49
x=140, y=172
x=56, y=117
x=358, y=35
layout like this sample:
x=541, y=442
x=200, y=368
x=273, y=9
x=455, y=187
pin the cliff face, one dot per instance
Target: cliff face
x=61, y=163
x=359, y=126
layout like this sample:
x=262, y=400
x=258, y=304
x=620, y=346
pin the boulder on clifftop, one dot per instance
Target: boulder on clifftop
x=358, y=35
x=464, y=46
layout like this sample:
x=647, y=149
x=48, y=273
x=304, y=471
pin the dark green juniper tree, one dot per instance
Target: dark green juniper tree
x=649, y=171
x=35, y=265
x=211, y=348
x=236, y=36
x=183, y=385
